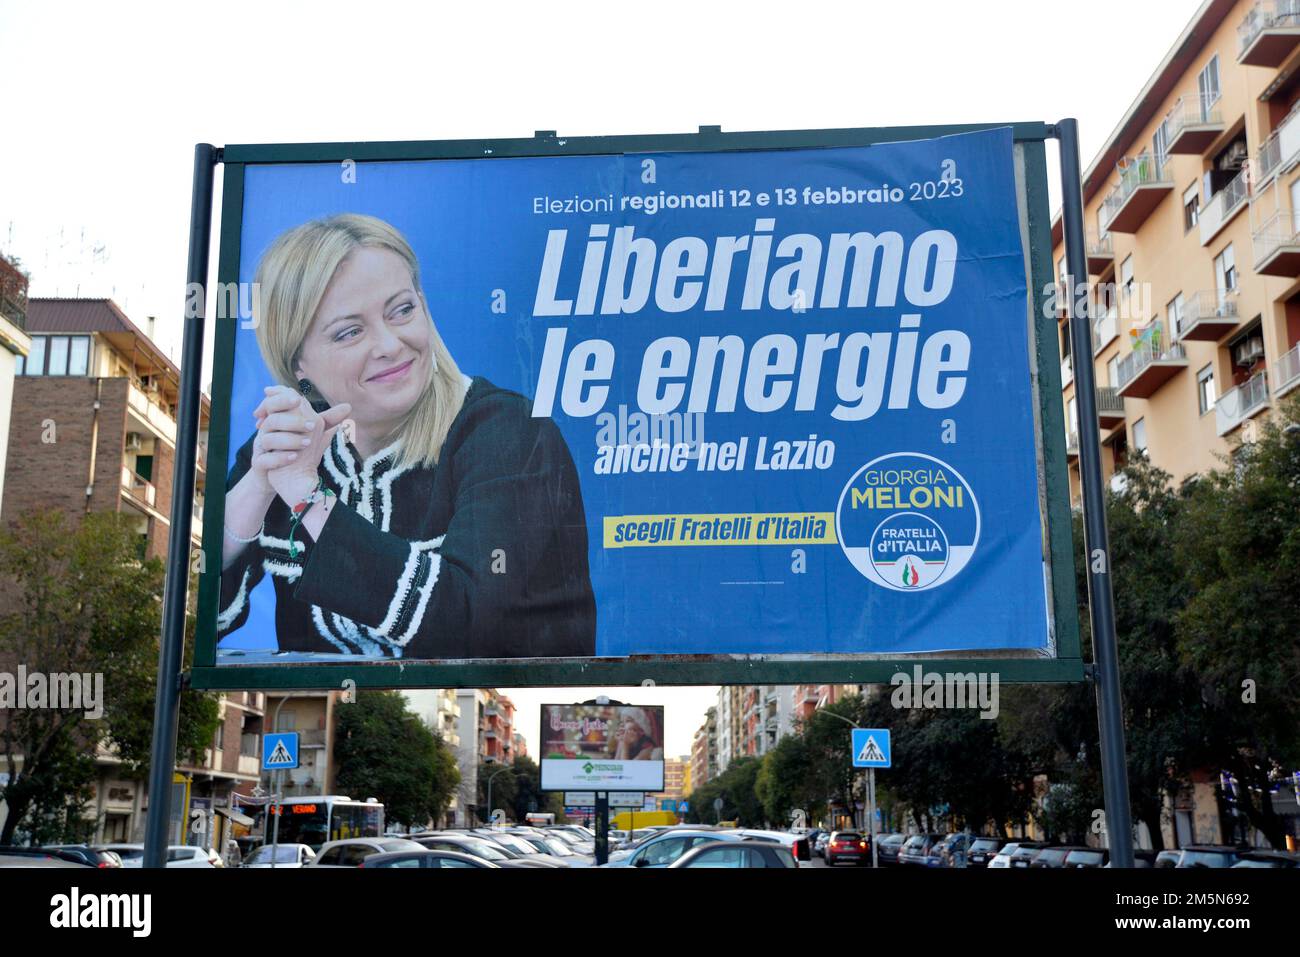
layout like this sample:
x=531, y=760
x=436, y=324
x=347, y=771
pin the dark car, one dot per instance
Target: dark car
x=1026, y=853
x=917, y=848
x=847, y=846
x=443, y=860
x=750, y=854
x=1210, y=855
x=887, y=848
x=1051, y=856
x=983, y=849
x=95, y=857
x=1264, y=858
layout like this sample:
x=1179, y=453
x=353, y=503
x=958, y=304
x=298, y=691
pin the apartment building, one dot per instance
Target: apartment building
x=704, y=749
x=15, y=343
x=1193, y=215
x=93, y=421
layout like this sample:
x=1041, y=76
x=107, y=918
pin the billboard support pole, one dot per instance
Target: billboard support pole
x=1101, y=599
x=171, y=650
x=602, y=828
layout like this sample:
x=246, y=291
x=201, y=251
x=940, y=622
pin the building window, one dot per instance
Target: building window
x=1112, y=371
x=1191, y=206
x=1126, y=275
x=1175, y=313
x=1160, y=147
x=1225, y=271
x=1205, y=388
x=79, y=355
x=1208, y=83
x=35, y=364
x=1140, y=435
x=58, y=355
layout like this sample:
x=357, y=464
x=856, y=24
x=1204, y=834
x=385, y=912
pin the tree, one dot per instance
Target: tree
x=385, y=751
x=783, y=781
x=78, y=600
x=505, y=787
x=528, y=794
x=1239, y=547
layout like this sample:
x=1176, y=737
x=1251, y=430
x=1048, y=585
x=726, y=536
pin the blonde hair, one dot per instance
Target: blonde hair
x=291, y=280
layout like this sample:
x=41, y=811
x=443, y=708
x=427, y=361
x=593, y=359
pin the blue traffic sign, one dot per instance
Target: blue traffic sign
x=871, y=748
x=280, y=750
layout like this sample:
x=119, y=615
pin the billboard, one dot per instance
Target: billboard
x=492, y=413
x=602, y=747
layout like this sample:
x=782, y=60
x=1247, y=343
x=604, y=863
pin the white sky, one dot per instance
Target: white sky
x=105, y=102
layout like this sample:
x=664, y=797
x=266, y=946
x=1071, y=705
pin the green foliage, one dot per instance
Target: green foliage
x=79, y=600
x=385, y=751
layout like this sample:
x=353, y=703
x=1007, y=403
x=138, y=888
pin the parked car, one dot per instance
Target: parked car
x=983, y=849
x=517, y=844
x=1003, y=857
x=847, y=846
x=38, y=860
x=1026, y=853
x=72, y=853
x=887, y=848
x=178, y=855
x=1093, y=857
x=797, y=843
x=819, y=846
x=555, y=847
x=475, y=846
x=663, y=849
x=442, y=860
x=762, y=854
x=1168, y=858
x=916, y=849
x=352, y=851
x=285, y=855
x=1210, y=855
x=1053, y=856
x=1266, y=858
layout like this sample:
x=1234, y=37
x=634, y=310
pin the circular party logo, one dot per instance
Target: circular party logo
x=908, y=521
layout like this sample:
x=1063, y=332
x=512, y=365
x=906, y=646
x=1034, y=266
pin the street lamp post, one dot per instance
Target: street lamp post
x=489, y=789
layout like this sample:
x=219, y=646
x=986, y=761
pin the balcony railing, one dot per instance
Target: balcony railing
x=1067, y=372
x=1277, y=245
x=1224, y=205
x=1143, y=182
x=1110, y=406
x=1207, y=315
x=1100, y=252
x=141, y=488
x=1237, y=405
x=1280, y=150
x=1153, y=361
x=1286, y=372
x=1192, y=124
x=1269, y=32
x=1104, y=330
x=1072, y=444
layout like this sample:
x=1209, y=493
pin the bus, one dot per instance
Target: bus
x=315, y=819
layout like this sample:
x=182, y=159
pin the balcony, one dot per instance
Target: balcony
x=1279, y=152
x=152, y=413
x=1067, y=372
x=1277, y=245
x=1153, y=362
x=1110, y=407
x=1269, y=33
x=1104, y=330
x=1286, y=372
x=1208, y=316
x=1192, y=125
x=1237, y=405
x=1143, y=183
x=1224, y=206
x=141, y=489
x=250, y=765
x=1071, y=445
x=1100, y=252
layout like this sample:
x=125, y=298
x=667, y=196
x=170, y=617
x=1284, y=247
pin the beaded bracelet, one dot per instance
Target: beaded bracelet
x=244, y=541
x=318, y=494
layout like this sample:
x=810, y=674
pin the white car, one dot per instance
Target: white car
x=286, y=855
x=351, y=852
x=178, y=855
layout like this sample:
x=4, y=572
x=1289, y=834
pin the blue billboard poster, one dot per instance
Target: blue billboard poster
x=764, y=402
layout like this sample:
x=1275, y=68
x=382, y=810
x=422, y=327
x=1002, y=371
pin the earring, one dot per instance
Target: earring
x=305, y=387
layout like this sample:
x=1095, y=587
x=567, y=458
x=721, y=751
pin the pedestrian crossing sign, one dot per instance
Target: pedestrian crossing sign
x=280, y=750
x=871, y=748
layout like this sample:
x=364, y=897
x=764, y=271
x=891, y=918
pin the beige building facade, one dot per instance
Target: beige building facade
x=1193, y=217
